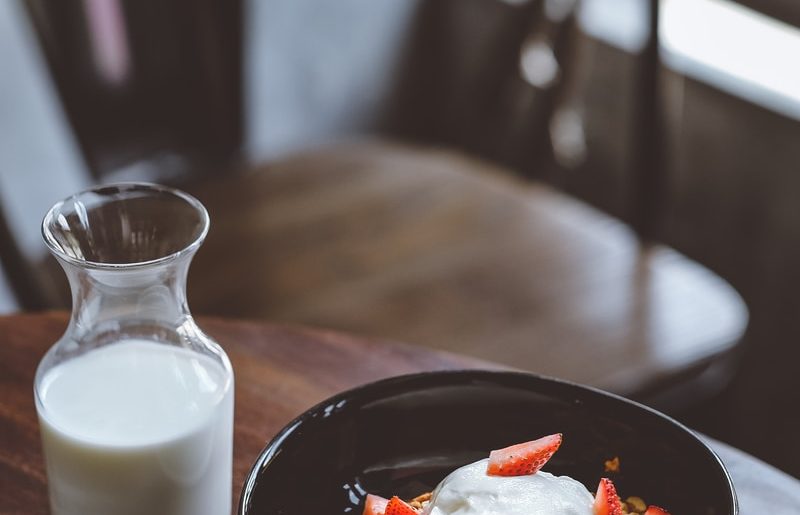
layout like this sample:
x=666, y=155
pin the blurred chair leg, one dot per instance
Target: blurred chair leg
x=648, y=174
x=18, y=271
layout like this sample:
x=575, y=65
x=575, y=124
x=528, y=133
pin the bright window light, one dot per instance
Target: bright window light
x=734, y=48
x=619, y=23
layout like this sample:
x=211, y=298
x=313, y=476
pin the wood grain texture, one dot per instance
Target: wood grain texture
x=432, y=247
x=280, y=371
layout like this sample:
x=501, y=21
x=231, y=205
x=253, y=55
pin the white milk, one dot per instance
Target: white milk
x=138, y=428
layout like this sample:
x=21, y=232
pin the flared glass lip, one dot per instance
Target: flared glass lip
x=115, y=192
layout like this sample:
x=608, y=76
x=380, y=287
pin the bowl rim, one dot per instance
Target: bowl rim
x=271, y=448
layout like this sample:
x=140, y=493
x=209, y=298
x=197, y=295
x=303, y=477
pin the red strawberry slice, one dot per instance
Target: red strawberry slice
x=398, y=507
x=375, y=505
x=524, y=458
x=607, y=502
x=655, y=510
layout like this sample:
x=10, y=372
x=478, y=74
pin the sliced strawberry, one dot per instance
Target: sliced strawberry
x=655, y=510
x=524, y=458
x=607, y=502
x=398, y=507
x=375, y=505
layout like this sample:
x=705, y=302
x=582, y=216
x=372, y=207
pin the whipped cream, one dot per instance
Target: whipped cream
x=470, y=491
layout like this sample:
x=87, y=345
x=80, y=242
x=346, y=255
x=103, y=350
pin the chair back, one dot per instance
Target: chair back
x=150, y=83
x=178, y=87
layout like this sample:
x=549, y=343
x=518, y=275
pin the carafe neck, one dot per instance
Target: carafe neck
x=152, y=297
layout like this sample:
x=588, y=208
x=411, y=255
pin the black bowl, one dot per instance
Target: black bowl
x=403, y=435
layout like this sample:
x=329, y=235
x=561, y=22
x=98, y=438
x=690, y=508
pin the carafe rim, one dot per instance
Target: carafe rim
x=49, y=221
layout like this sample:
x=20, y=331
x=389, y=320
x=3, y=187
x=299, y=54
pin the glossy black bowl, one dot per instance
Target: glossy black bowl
x=403, y=435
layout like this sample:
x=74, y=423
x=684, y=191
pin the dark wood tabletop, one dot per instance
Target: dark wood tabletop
x=280, y=371
x=439, y=249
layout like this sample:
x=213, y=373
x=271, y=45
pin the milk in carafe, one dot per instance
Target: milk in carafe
x=135, y=428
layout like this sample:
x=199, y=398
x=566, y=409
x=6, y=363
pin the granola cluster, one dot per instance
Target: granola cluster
x=419, y=502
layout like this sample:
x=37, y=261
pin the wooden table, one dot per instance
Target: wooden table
x=433, y=247
x=274, y=367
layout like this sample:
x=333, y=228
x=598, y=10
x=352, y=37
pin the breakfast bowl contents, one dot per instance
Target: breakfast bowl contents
x=424, y=442
x=511, y=482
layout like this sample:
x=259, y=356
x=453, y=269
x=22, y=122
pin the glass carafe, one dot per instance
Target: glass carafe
x=135, y=402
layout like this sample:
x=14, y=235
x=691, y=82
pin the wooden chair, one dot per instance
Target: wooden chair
x=407, y=227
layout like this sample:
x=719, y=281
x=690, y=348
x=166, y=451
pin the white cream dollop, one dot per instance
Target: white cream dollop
x=470, y=491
